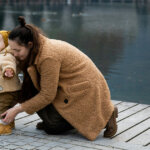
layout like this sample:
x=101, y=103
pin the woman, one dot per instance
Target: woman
x=68, y=90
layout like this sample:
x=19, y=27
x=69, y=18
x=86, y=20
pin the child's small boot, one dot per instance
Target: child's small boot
x=6, y=129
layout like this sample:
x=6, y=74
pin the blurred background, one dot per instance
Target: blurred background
x=115, y=34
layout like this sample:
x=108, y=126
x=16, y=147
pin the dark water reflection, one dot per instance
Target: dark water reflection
x=115, y=35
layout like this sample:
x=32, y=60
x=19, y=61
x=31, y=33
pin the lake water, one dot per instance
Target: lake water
x=115, y=34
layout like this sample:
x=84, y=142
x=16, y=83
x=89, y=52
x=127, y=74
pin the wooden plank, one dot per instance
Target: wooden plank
x=133, y=132
x=125, y=105
x=21, y=115
x=28, y=125
x=23, y=121
x=116, y=102
x=131, y=111
x=142, y=139
x=133, y=120
x=32, y=128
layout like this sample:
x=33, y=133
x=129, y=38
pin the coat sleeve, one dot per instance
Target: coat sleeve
x=9, y=61
x=2, y=44
x=49, y=77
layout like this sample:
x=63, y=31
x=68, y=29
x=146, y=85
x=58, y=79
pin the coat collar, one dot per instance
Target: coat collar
x=6, y=50
x=33, y=69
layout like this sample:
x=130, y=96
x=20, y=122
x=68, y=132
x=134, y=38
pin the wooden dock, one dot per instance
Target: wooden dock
x=133, y=129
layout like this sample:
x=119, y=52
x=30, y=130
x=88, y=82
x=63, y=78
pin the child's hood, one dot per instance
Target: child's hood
x=6, y=50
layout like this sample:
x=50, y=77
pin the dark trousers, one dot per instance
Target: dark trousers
x=53, y=122
x=8, y=100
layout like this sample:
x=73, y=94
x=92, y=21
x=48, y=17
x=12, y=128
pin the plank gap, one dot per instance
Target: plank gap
x=118, y=103
x=133, y=113
x=129, y=128
x=31, y=121
x=128, y=108
x=22, y=117
x=147, y=144
x=137, y=135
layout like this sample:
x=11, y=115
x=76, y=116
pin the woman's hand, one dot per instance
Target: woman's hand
x=11, y=113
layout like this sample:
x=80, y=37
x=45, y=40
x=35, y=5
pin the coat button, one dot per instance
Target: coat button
x=66, y=101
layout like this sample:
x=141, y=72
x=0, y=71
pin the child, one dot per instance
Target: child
x=9, y=81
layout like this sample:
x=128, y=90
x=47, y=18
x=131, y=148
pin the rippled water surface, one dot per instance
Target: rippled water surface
x=115, y=35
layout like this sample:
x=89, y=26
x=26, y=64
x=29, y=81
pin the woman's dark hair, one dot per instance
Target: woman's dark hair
x=23, y=34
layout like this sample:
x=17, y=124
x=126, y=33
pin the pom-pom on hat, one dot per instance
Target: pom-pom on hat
x=5, y=35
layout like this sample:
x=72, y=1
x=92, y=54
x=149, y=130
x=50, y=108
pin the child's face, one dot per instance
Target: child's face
x=20, y=52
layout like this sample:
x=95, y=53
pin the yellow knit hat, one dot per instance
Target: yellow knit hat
x=5, y=35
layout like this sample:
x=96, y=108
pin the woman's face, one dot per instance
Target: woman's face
x=19, y=51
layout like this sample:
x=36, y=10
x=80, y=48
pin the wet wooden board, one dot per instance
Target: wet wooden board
x=142, y=139
x=133, y=124
x=25, y=120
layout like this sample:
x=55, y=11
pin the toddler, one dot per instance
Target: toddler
x=10, y=84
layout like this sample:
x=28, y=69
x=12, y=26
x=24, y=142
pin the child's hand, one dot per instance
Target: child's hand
x=9, y=73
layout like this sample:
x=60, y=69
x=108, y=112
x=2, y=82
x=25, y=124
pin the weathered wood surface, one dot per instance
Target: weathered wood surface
x=133, y=127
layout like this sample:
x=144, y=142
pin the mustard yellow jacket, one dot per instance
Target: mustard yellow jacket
x=5, y=35
x=7, y=60
x=73, y=84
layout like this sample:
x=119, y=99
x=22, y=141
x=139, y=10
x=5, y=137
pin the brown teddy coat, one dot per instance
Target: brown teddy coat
x=7, y=60
x=69, y=80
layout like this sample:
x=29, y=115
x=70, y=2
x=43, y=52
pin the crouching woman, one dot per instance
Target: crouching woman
x=62, y=85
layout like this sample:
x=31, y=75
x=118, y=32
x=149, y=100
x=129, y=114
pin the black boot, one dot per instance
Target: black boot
x=111, y=127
